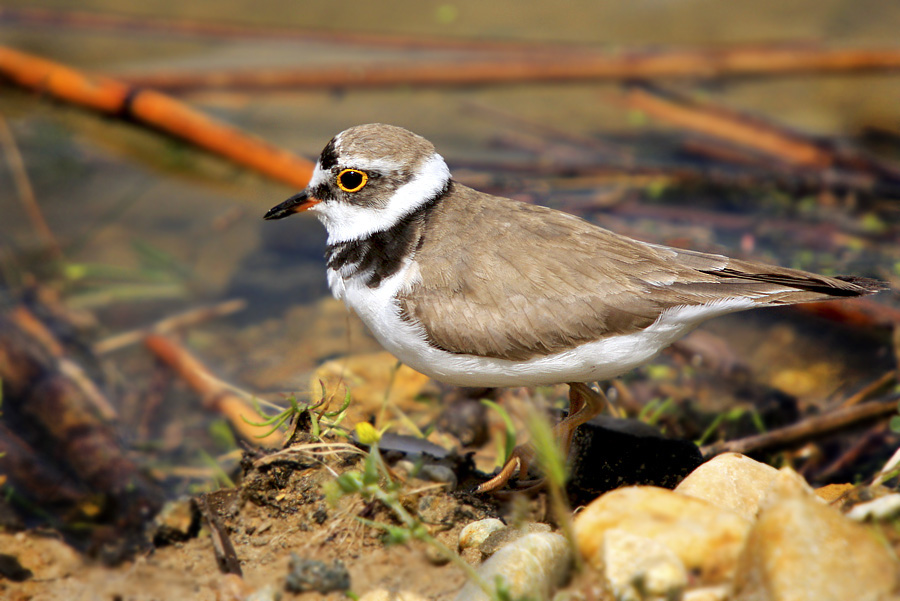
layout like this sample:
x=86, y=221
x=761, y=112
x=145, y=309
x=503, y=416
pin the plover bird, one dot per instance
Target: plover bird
x=477, y=290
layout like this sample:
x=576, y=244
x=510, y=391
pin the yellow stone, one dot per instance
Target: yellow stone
x=706, y=538
x=800, y=549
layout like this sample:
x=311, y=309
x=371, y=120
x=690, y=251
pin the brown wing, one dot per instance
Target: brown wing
x=505, y=279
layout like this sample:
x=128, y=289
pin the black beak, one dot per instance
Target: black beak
x=295, y=204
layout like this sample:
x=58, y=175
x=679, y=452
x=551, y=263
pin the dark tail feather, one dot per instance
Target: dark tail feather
x=839, y=286
x=867, y=285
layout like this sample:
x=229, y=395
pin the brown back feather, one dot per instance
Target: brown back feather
x=514, y=281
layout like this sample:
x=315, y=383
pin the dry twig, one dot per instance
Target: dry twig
x=813, y=427
x=226, y=555
x=883, y=382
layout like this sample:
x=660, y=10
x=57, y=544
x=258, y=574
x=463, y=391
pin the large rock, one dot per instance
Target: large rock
x=731, y=481
x=706, y=538
x=801, y=549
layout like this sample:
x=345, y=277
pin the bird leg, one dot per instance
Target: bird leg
x=584, y=405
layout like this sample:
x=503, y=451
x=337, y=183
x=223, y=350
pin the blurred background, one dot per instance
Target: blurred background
x=108, y=226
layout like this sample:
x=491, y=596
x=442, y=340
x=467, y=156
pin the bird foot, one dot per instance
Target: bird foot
x=584, y=404
x=518, y=462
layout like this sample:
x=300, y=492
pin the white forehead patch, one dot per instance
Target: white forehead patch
x=382, y=165
x=319, y=177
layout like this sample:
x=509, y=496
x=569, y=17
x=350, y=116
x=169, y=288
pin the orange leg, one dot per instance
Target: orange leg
x=584, y=405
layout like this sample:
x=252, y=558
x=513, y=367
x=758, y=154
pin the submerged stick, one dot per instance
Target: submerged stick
x=549, y=67
x=50, y=408
x=224, y=30
x=719, y=122
x=26, y=191
x=26, y=321
x=751, y=132
x=169, y=324
x=154, y=110
x=215, y=394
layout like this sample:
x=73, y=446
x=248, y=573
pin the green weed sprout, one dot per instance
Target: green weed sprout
x=330, y=419
x=552, y=463
x=655, y=409
x=730, y=416
x=510, y=430
x=374, y=483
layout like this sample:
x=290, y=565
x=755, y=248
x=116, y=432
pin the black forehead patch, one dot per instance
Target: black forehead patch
x=328, y=158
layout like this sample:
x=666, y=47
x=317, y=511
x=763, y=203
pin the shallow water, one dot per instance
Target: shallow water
x=150, y=226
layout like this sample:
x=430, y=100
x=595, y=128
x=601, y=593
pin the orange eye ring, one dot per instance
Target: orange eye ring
x=351, y=180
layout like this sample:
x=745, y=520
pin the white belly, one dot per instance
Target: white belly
x=600, y=360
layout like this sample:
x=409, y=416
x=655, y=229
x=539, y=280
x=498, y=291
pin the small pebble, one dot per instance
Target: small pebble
x=438, y=473
x=472, y=535
x=405, y=467
x=386, y=595
x=434, y=555
x=831, y=493
x=314, y=575
x=178, y=521
x=707, y=593
x=532, y=566
x=882, y=508
x=431, y=472
x=499, y=539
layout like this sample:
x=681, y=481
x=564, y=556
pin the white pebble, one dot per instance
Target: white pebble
x=477, y=532
x=881, y=508
x=532, y=566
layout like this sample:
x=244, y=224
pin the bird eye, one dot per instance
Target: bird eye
x=351, y=180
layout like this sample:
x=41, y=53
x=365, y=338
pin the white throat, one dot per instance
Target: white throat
x=346, y=221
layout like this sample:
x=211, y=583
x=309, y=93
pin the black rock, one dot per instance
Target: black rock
x=609, y=453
